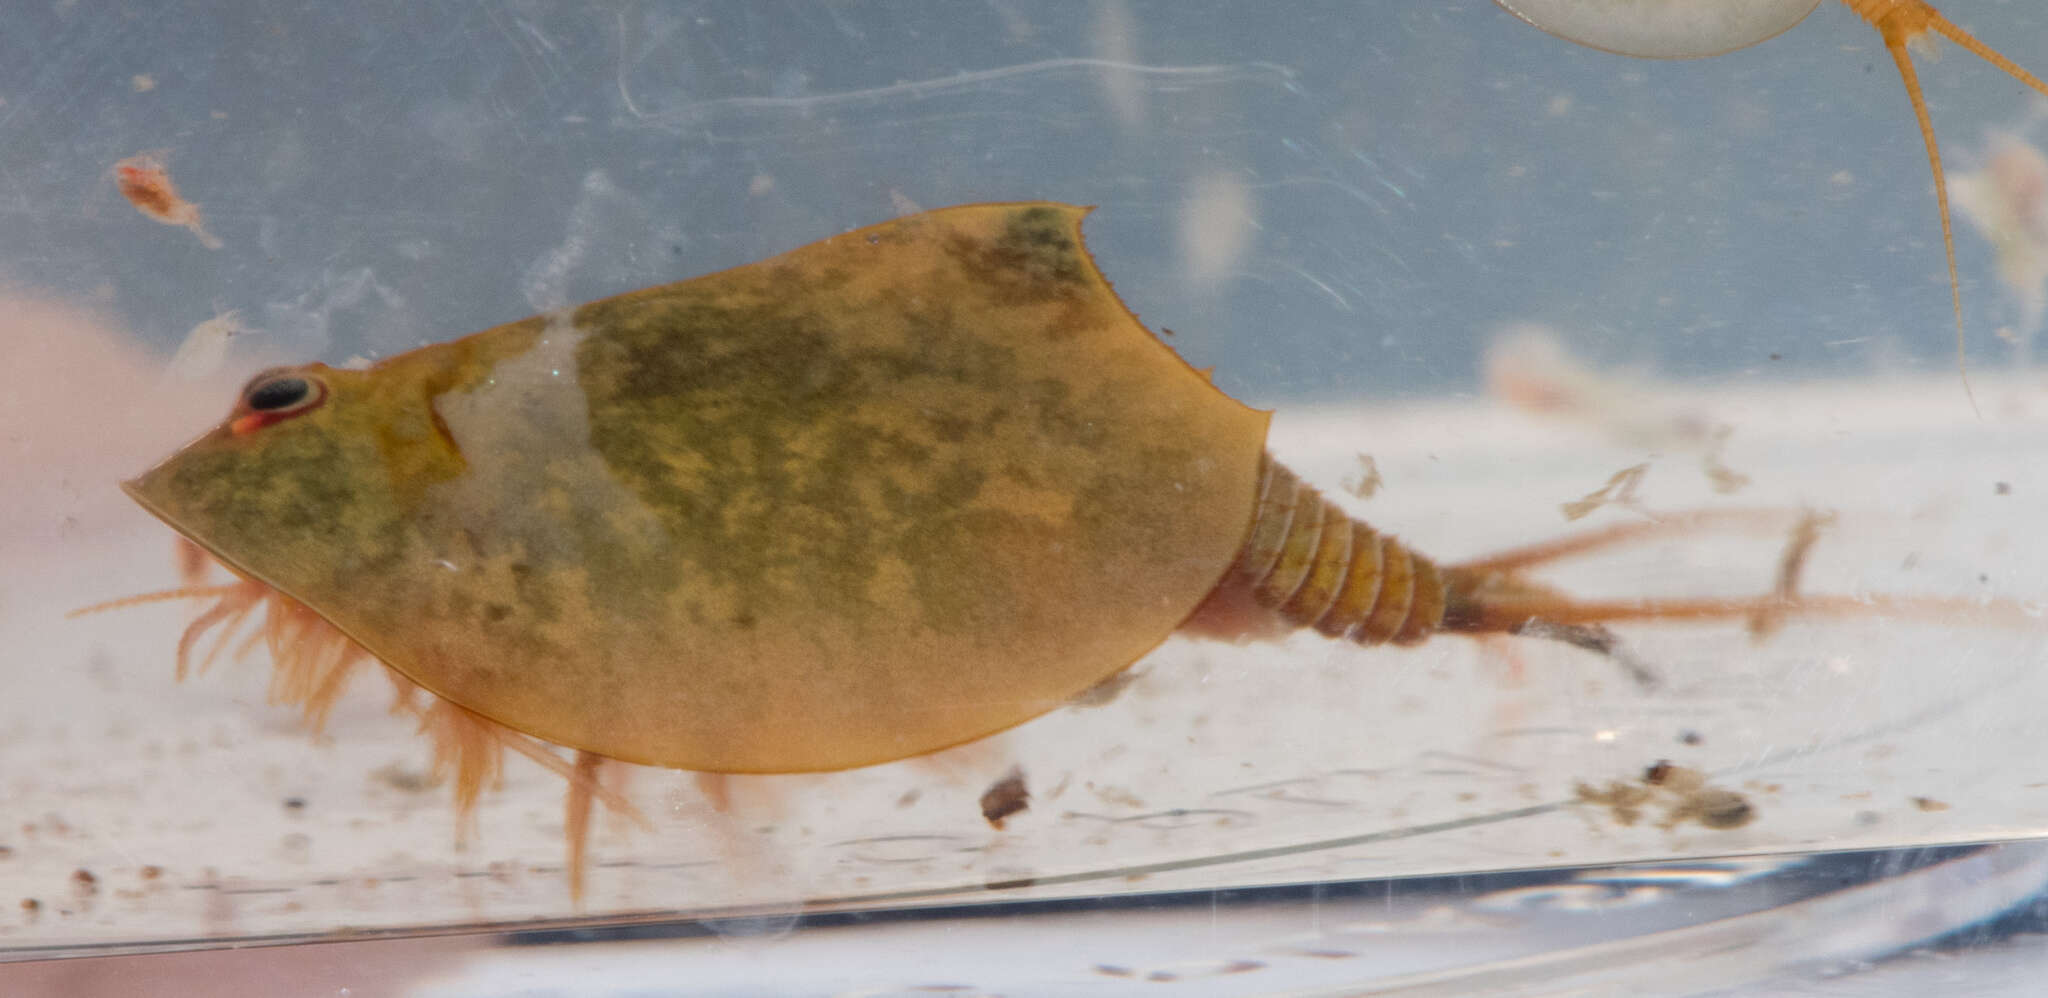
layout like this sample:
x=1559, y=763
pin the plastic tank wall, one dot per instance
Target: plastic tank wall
x=1542, y=288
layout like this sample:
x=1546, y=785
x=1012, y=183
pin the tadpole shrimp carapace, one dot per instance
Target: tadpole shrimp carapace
x=884, y=494
x=1692, y=29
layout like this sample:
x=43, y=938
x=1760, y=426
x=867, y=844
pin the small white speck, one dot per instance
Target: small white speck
x=1604, y=736
x=445, y=563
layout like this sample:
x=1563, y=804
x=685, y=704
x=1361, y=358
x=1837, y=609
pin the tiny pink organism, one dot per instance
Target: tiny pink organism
x=146, y=183
x=2007, y=203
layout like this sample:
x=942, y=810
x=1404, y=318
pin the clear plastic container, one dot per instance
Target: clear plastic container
x=1503, y=268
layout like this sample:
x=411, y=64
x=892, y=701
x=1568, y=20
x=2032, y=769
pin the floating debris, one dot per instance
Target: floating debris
x=1620, y=490
x=1367, y=482
x=1004, y=798
x=1791, y=563
x=1682, y=791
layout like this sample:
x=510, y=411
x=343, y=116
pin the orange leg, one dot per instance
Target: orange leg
x=1587, y=542
x=1899, y=22
x=576, y=818
x=1490, y=595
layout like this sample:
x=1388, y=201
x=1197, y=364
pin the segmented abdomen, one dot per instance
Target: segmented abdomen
x=1317, y=567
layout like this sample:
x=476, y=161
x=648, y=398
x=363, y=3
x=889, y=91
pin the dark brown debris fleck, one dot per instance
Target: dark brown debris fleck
x=1929, y=804
x=1005, y=797
x=84, y=881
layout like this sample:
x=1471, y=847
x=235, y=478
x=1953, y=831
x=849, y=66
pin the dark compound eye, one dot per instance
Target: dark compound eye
x=272, y=398
x=279, y=393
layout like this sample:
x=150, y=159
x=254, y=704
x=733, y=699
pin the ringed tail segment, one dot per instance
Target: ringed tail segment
x=1899, y=22
x=1308, y=562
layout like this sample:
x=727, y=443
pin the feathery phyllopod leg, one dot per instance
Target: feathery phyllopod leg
x=313, y=663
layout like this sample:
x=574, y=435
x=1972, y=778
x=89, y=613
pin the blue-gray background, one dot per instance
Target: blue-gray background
x=1415, y=172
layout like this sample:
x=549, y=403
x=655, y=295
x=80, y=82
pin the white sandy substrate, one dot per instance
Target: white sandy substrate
x=199, y=811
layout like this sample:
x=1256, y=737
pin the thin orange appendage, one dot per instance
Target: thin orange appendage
x=1586, y=542
x=1507, y=615
x=194, y=564
x=1895, y=43
x=1900, y=22
x=160, y=596
x=717, y=790
x=1947, y=29
x=227, y=614
x=577, y=817
x=469, y=747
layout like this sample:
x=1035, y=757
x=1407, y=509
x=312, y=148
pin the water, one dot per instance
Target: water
x=1730, y=270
